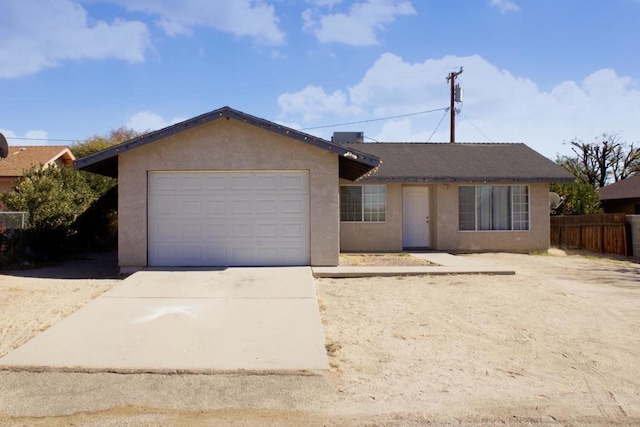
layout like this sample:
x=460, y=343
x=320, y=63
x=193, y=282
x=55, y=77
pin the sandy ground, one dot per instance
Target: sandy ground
x=556, y=344
x=32, y=300
x=385, y=260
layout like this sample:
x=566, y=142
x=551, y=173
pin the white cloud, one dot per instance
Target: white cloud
x=32, y=137
x=326, y=3
x=313, y=102
x=252, y=18
x=504, y=107
x=149, y=121
x=359, y=25
x=505, y=6
x=38, y=34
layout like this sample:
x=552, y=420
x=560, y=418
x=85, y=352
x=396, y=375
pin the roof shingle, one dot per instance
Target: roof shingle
x=461, y=162
x=21, y=158
x=625, y=189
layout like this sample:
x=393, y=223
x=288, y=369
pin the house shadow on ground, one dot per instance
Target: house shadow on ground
x=95, y=265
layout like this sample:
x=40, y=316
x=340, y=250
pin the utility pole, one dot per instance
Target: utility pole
x=451, y=78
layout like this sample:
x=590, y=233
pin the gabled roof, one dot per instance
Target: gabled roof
x=628, y=188
x=23, y=157
x=352, y=164
x=460, y=162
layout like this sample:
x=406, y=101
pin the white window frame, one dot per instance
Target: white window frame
x=520, y=219
x=365, y=198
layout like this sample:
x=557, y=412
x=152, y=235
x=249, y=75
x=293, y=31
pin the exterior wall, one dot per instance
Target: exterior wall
x=628, y=206
x=375, y=236
x=6, y=184
x=634, y=224
x=447, y=237
x=444, y=234
x=227, y=145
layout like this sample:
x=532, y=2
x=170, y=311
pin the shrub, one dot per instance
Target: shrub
x=55, y=198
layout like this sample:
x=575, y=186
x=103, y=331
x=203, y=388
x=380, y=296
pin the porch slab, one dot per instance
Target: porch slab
x=446, y=264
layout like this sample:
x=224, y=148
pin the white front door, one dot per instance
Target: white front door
x=415, y=216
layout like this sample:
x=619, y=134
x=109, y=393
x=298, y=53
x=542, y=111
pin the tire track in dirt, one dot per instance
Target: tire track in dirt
x=522, y=350
x=612, y=401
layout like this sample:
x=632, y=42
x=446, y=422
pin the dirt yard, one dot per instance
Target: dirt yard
x=556, y=344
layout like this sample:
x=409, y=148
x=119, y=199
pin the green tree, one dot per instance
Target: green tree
x=99, y=183
x=67, y=208
x=53, y=196
x=580, y=198
x=96, y=143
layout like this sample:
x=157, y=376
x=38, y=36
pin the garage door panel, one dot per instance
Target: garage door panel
x=191, y=232
x=191, y=207
x=292, y=231
x=267, y=182
x=295, y=207
x=293, y=183
x=242, y=207
x=165, y=183
x=241, y=230
x=266, y=206
x=215, y=183
x=267, y=230
x=190, y=183
x=216, y=207
x=241, y=182
x=216, y=231
x=225, y=219
x=165, y=207
x=190, y=252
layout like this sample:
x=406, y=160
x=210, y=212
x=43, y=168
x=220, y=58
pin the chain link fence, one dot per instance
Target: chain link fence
x=14, y=220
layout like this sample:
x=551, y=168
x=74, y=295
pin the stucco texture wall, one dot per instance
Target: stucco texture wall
x=447, y=237
x=224, y=145
x=634, y=225
x=375, y=236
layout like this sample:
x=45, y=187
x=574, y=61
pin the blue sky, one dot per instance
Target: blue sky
x=540, y=72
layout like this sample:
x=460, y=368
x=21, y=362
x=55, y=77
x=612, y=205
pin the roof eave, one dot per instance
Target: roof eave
x=425, y=179
x=353, y=164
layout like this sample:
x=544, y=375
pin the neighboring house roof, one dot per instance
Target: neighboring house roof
x=460, y=162
x=21, y=158
x=628, y=188
x=352, y=164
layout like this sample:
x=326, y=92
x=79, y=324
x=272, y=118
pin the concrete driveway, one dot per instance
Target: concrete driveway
x=189, y=321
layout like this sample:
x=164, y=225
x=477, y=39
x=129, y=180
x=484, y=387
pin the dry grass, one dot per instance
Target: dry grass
x=382, y=260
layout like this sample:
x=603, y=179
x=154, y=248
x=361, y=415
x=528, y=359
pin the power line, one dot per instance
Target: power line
x=43, y=139
x=376, y=120
x=476, y=128
x=446, y=110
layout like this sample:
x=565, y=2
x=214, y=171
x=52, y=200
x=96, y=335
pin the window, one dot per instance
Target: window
x=493, y=207
x=363, y=203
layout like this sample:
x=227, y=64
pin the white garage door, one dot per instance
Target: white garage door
x=228, y=218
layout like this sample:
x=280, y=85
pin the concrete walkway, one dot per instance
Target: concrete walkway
x=262, y=319
x=447, y=264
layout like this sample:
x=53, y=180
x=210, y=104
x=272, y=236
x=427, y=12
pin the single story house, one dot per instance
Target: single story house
x=22, y=158
x=622, y=196
x=227, y=188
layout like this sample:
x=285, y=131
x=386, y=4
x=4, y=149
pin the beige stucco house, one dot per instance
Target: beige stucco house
x=227, y=188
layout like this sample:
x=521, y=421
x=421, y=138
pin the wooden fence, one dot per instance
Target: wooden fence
x=606, y=233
